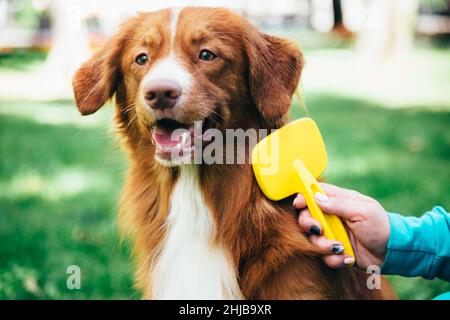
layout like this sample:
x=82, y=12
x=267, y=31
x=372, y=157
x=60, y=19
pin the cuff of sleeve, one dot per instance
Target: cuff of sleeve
x=402, y=255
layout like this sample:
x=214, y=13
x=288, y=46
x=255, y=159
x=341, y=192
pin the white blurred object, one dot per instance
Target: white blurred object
x=3, y=12
x=266, y=8
x=353, y=14
x=322, y=18
x=40, y=5
x=118, y=10
x=388, y=29
x=70, y=44
x=433, y=24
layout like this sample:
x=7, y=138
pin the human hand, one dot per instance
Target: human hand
x=365, y=220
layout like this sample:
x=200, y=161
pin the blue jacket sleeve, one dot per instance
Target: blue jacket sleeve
x=419, y=246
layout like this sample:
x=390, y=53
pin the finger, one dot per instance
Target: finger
x=339, y=192
x=348, y=209
x=308, y=223
x=327, y=246
x=299, y=201
x=338, y=261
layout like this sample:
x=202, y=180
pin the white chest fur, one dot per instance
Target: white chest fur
x=190, y=265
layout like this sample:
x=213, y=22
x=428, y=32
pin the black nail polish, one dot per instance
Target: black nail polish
x=337, y=249
x=314, y=230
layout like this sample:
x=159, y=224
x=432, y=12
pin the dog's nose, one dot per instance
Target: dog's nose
x=162, y=94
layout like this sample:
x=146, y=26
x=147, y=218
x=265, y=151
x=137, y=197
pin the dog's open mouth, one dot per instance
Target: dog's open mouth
x=176, y=139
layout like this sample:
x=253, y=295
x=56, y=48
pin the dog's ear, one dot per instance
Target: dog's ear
x=96, y=81
x=274, y=69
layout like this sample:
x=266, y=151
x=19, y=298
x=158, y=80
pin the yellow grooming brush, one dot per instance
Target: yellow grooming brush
x=287, y=162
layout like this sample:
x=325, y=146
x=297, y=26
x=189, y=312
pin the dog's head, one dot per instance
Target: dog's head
x=171, y=68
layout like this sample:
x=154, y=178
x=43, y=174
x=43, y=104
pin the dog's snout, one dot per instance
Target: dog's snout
x=162, y=94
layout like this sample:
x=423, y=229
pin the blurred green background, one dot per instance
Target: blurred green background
x=386, y=129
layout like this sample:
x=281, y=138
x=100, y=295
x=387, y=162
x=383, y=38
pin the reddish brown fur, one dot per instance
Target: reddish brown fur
x=251, y=89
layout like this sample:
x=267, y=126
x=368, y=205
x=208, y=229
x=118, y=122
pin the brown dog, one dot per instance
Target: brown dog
x=206, y=231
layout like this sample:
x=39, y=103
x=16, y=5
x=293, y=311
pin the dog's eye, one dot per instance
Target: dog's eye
x=206, y=55
x=141, y=59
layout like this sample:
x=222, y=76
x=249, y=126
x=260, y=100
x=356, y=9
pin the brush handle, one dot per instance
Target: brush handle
x=332, y=225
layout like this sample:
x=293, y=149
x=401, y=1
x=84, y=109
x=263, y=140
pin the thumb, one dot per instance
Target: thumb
x=342, y=207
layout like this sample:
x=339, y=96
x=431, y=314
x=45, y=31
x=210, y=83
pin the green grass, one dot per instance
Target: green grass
x=58, y=194
x=21, y=60
x=60, y=176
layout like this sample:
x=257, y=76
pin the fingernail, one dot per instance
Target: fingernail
x=314, y=230
x=295, y=201
x=321, y=197
x=337, y=248
x=349, y=260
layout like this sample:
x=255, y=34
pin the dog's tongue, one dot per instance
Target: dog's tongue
x=166, y=138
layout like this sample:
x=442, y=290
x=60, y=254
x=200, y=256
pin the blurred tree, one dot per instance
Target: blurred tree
x=337, y=9
x=435, y=5
x=338, y=16
x=25, y=15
